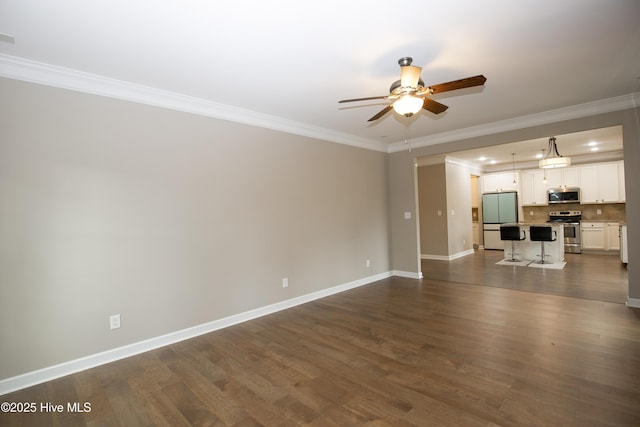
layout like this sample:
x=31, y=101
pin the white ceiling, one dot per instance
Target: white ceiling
x=285, y=63
x=594, y=145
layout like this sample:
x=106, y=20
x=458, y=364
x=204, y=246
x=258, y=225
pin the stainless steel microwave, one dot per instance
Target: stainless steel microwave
x=563, y=195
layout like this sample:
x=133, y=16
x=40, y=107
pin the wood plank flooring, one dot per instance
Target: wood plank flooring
x=591, y=276
x=399, y=352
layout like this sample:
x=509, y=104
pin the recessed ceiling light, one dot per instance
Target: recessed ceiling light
x=493, y=162
x=592, y=143
x=482, y=158
x=594, y=149
x=539, y=156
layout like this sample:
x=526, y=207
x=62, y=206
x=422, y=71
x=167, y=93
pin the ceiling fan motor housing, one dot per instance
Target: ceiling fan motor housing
x=407, y=60
x=396, y=87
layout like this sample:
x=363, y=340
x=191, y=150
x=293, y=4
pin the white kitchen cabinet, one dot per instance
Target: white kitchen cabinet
x=498, y=182
x=593, y=235
x=571, y=177
x=600, y=183
x=612, y=236
x=534, y=190
x=563, y=177
x=601, y=236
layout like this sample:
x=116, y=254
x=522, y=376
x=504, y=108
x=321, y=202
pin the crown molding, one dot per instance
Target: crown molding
x=50, y=75
x=618, y=103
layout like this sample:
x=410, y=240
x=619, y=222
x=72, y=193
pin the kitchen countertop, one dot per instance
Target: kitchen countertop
x=528, y=224
x=602, y=220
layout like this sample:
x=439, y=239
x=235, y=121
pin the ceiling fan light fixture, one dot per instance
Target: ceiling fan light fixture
x=410, y=76
x=407, y=105
x=553, y=159
x=409, y=95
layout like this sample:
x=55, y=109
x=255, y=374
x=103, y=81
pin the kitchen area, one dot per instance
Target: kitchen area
x=586, y=208
x=587, y=200
x=582, y=189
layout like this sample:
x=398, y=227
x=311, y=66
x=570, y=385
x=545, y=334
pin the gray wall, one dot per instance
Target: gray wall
x=444, y=187
x=403, y=196
x=403, y=189
x=432, y=196
x=170, y=219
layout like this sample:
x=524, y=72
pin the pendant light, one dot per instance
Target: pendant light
x=513, y=168
x=553, y=159
x=544, y=171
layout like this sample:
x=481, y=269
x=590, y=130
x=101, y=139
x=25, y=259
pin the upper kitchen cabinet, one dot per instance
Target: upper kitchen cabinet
x=499, y=182
x=600, y=183
x=534, y=190
x=564, y=177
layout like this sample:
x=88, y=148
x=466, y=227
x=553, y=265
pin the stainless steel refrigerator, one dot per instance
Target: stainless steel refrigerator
x=497, y=208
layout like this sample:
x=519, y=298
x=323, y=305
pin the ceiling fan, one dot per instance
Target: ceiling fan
x=409, y=94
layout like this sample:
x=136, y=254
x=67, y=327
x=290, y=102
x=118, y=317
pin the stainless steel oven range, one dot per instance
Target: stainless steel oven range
x=571, y=222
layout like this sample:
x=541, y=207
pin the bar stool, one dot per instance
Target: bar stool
x=513, y=233
x=538, y=233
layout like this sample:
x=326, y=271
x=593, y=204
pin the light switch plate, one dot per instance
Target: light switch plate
x=114, y=321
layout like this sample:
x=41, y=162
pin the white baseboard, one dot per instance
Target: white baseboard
x=463, y=253
x=407, y=274
x=633, y=302
x=435, y=257
x=52, y=372
x=448, y=257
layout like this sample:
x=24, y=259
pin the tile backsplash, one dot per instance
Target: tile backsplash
x=608, y=212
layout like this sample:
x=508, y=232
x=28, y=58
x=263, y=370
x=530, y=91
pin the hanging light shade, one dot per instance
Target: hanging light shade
x=553, y=159
x=408, y=105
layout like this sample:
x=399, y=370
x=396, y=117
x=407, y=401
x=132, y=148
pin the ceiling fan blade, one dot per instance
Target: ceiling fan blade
x=381, y=113
x=434, y=106
x=459, y=84
x=364, y=99
x=409, y=76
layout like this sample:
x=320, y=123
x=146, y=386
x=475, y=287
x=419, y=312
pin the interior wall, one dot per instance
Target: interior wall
x=404, y=232
x=432, y=199
x=402, y=190
x=458, y=211
x=169, y=219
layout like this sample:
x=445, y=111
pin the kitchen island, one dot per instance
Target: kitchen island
x=530, y=250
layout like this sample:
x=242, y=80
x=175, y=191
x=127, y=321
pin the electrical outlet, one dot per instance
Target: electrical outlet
x=368, y=263
x=285, y=282
x=599, y=211
x=114, y=321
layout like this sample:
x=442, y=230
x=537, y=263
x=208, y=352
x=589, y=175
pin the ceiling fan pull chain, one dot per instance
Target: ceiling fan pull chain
x=407, y=135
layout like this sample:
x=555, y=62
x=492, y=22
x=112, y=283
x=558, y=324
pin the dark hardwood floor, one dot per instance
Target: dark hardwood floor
x=400, y=352
x=591, y=276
